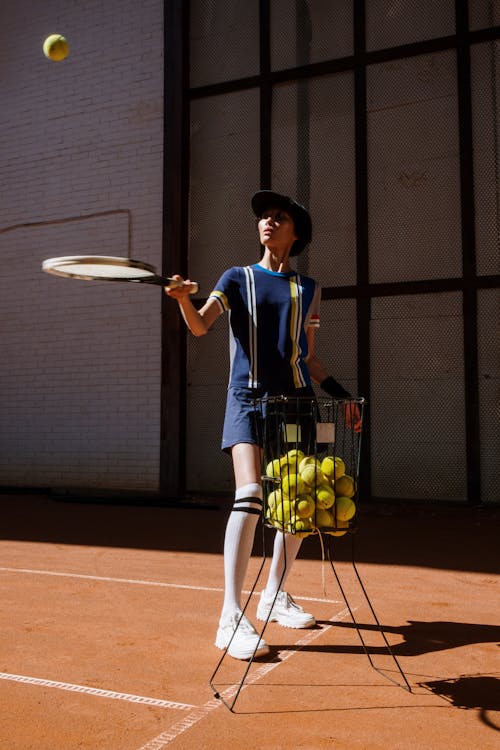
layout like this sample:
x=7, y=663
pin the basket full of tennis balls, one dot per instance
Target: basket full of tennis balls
x=309, y=494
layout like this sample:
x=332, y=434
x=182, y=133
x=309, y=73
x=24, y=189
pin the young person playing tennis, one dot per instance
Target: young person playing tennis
x=274, y=315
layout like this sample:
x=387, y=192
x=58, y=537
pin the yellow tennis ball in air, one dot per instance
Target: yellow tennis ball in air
x=345, y=486
x=345, y=508
x=325, y=496
x=333, y=467
x=304, y=506
x=55, y=47
x=292, y=485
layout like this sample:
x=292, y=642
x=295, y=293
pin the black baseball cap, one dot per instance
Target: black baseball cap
x=265, y=199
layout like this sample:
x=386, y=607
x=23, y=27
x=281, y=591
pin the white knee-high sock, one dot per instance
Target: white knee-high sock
x=286, y=547
x=238, y=543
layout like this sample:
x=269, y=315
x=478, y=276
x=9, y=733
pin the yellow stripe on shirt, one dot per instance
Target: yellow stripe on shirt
x=221, y=298
x=295, y=325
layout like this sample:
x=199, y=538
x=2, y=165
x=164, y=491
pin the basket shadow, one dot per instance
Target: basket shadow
x=419, y=637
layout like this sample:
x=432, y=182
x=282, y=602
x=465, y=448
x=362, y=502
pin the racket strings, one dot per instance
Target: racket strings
x=104, y=272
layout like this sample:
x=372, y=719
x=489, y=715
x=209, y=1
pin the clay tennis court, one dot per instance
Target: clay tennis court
x=109, y=614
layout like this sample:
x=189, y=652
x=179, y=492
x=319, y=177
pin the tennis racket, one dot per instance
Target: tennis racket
x=109, y=268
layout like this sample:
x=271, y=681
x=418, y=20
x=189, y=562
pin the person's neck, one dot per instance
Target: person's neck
x=276, y=261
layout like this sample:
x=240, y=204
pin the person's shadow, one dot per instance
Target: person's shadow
x=480, y=692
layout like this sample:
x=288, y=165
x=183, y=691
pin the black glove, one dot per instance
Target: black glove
x=334, y=389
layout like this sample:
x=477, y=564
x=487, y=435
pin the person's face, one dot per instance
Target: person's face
x=276, y=228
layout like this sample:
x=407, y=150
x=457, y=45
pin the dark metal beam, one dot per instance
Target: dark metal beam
x=469, y=298
x=174, y=252
x=363, y=304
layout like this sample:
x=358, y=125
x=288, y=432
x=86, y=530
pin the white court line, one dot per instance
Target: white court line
x=165, y=738
x=96, y=691
x=140, y=582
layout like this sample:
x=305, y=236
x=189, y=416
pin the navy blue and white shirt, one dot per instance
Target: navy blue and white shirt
x=269, y=316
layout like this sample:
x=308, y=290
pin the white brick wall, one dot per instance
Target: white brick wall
x=80, y=364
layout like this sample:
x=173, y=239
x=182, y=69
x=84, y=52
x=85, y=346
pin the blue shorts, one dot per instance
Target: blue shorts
x=243, y=420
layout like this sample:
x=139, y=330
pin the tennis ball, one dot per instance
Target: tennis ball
x=292, y=523
x=294, y=457
x=325, y=496
x=333, y=467
x=55, y=47
x=283, y=512
x=303, y=527
x=273, y=468
x=323, y=518
x=292, y=485
x=339, y=467
x=309, y=461
x=340, y=525
x=345, y=508
x=345, y=486
x=273, y=499
x=313, y=476
x=304, y=506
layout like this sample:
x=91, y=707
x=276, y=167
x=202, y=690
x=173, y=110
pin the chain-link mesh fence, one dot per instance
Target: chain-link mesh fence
x=418, y=354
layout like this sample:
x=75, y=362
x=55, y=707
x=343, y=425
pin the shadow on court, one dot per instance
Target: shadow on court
x=418, y=637
x=475, y=692
x=455, y=538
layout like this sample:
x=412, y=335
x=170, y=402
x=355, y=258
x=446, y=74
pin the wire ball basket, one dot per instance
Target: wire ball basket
x=310, y=465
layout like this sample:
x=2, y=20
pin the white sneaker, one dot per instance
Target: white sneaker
x=246, y=642
x=286, y=612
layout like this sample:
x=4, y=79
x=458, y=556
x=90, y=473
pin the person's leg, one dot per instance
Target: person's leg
x=242, y=522
x=274, y=597
x=238, y=544
x=285, y=550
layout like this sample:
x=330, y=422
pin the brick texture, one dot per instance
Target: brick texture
x=80, y=365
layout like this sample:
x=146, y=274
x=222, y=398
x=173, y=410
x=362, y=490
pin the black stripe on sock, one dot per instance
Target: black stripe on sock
x=253, y=511
x=254, y=500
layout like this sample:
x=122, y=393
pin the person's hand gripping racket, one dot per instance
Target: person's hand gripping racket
x=182, y=291
x=200, y=320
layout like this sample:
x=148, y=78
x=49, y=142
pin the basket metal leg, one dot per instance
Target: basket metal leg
x=405, y=684
x=230, y=701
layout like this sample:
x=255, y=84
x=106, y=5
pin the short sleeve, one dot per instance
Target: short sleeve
x=222, y=291
x=312, y=317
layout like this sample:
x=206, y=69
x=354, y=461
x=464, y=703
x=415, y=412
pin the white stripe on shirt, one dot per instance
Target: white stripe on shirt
x=252, y=327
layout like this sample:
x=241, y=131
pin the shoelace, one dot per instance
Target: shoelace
x=245, y=626
x=289, y=602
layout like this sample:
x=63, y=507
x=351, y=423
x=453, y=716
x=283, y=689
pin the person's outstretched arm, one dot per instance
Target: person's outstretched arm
x=199, y=321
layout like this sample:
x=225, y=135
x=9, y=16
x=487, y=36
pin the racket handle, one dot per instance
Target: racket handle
x=193, y=288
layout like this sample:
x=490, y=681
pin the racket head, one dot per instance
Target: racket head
x=99, y=267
